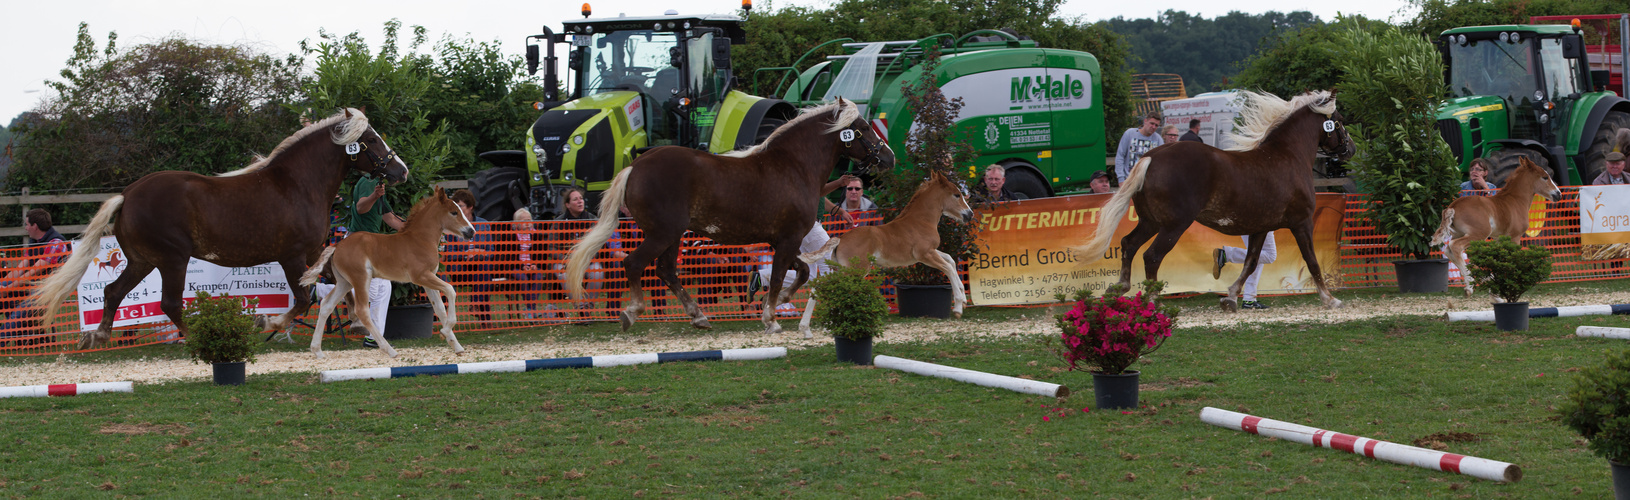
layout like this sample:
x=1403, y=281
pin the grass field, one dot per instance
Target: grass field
x=806, y=426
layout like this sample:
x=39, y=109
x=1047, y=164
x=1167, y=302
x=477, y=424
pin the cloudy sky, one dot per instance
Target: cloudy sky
x=37, y=37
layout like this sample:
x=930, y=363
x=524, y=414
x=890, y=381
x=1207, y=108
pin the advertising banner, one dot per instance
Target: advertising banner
x=1604, y=222
x=1028, y=258
x=264, y=282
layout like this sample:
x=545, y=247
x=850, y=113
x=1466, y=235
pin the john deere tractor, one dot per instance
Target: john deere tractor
x=1528, y=91
x=634, y=83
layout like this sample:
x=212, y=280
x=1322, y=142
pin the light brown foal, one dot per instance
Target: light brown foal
x=910, y=238
x=1478, y=218
x=409, y=256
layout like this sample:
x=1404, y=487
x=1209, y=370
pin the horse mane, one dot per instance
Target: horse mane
x=1263, y=112
x=422, y=204
x=346, y=133
x=844, y=112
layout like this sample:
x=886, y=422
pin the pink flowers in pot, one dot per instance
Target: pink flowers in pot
x=1107, y=334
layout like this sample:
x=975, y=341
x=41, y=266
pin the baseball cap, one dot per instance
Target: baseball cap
x=1614, y=156
x=1101, y=173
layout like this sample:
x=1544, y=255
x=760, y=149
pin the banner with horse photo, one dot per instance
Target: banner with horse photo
x=1028, y=257
x=141, y=306
x=1604, y=222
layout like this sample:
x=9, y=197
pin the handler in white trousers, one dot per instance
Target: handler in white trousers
x=379, y=298
x=1237, y=255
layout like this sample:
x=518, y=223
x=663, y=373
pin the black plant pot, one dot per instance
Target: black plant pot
x=923, y=301
x=854, y=351
x=1511, y=316
x=1422, y=276
x=1621, y=480
x=229, y=373
x=413, y=321
x=1116, y=392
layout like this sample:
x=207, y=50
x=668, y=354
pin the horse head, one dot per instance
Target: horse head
x=1531, y=176
x=953, y=198
x=1336, y=143
x=860, y=142
x=366, y=149
x=447, y=215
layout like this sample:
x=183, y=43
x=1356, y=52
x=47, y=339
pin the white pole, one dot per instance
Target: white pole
x=1379, y=450
x=1603, y=331
x=972, y=377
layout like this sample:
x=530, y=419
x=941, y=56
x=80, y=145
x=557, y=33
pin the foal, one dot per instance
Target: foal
x=1477, y=218
x=409, y=256
x=910, y=238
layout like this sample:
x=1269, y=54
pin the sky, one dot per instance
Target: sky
x=37, y=37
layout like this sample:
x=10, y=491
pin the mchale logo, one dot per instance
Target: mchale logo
x=1045, y=87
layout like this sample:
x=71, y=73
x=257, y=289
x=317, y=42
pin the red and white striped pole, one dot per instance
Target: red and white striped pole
x=1379, y=450
x=40, y=391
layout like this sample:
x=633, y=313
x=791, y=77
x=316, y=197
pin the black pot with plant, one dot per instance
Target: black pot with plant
x=848, y=304
x=1507, y=271
x=410, y=315
x=221, y=331
x=1598, y=408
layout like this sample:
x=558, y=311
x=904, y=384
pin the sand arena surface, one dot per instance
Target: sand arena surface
x=677, y=337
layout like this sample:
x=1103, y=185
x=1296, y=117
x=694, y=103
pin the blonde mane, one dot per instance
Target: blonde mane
x=843, y=110
x=1263, y=111
x=346, y=133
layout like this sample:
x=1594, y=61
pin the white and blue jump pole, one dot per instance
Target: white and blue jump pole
x=550, y=364
x=1547, y=312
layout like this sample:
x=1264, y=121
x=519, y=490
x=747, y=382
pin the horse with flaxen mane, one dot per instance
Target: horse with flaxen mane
x=1261, y=183
x=274, y=210
x=408, y=256
x=908, y=239
x=764, y=194
x=1477, y=218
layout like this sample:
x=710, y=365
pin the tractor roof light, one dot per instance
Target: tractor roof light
x=587, y=11
x=747, y=5
x=1575, y=24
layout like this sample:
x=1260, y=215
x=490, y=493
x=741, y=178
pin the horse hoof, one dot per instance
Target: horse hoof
x=626, y=321
x=773, y=329
x=807, y=333
x=956, y=314
x=1334, y=304
x=1229, y=305
x=319, y=354
x=260, y=322
x=701, y=324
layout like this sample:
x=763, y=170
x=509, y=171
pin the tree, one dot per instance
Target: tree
x=1293, y=62
x=1435, y=16
x=484, y=97
x=1202, y=50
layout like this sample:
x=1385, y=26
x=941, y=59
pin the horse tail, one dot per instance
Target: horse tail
x=826, y=249
x=611, y=202
x=1110, y=216
x=1446, y=227
x=310, y=277
x=55, y=288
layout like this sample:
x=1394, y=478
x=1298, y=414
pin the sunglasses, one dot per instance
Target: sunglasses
x=854, y=189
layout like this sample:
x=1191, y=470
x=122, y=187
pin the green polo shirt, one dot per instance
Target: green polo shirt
x=372, y=221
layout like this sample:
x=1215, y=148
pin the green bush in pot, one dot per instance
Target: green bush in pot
x=220, y=329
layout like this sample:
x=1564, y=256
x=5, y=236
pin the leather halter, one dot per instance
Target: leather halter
x=873, y=158
x=377, y=163
x=1341, y=149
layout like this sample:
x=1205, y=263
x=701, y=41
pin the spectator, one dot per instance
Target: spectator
x=1100, y=183
x=1477, y=183
x=1168, y=134
x=370, y=212
x=575, y=208
x=854, y=197
x=471, y=270
x=528, y=279
x=1236, y=255
x=1134, y=143
x=1614, y=171
x=994, y=191
x=43, y=240
x=1193, y=135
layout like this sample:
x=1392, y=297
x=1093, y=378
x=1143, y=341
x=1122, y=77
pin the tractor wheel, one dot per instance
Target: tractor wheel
x=1590, y=161
x=498, y=192
x=1025, y=181
x=1506, y=161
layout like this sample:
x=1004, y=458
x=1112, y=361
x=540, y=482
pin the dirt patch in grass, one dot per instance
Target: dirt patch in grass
x=1440, y=441
x=145, y=428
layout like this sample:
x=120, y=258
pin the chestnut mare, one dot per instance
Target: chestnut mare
x=409, y=256
x=1261, y=183
x=274, y=210
x=1477, y=218
x=908, y=239
x=764, y=194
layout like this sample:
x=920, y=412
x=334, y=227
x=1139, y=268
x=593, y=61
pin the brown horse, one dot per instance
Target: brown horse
x=1261, y=183
x=1477, y=218
x=908, y=239
x=409, y=256
x=765, y=194
x=274, y=210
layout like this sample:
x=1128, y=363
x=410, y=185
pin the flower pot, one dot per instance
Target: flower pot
x=1115, y=392
x=1621, y=480
x=412, y=321
x=229, y=373
x=854, y=351
x=1422, y=276
x=923, y=301
x=1511, y=316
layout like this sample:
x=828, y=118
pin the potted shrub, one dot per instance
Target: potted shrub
x=1507, y=271
x=849, y=305
x=1107, y=334
x=1598, y=408
x=1402, y=162
x=221, y=331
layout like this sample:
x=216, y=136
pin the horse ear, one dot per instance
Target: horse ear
x=347, y=113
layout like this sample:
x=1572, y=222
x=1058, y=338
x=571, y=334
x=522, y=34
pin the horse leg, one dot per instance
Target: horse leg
x=1457, y=247
x=292, y=269
x=785, y=254
x=1304, y=241
x=668, y=270
x=174, y=276
x=634, y=267
x=435, y=288
x=1164, y=240
x=112, y=296
x=809, y=314
x=341, y=288
x=1129, y=247
x=1253, y=253
x=360, y=307
x=946, y=264
x=803, y=272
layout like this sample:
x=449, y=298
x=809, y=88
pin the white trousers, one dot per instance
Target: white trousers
x=813, y=240
x=1236, y=255
x=379, y=300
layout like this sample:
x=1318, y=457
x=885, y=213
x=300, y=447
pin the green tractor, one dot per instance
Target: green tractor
x=635, y=83
x=1529, y=91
